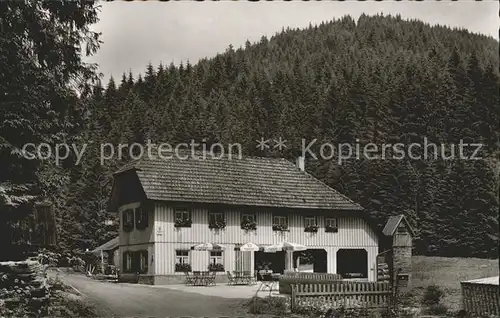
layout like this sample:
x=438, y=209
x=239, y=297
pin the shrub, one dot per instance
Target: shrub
x=437, y=309
x=278, y=306
x=433, y=295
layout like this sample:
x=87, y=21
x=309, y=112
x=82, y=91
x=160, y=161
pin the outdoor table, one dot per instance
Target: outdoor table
x=201, y=278
x=243, y=276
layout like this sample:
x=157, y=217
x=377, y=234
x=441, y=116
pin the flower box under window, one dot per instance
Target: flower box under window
x=216, y=220
x=248, y=225
x=280, y=227
x=182, y=267
x=331, y=229
x=215, y=267
x=219, y=224
x=311, y=228
x=183, y=223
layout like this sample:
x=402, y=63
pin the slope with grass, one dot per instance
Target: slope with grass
x=447, y=273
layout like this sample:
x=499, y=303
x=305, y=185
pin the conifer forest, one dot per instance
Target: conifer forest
x=378, y=79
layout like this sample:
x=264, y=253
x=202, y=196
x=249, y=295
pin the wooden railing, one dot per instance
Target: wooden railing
x=305, y=278
x=313, y=276
x=347, y=294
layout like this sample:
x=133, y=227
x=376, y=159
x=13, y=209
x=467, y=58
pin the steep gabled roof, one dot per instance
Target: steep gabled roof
x=393, y=223
x=249, y=181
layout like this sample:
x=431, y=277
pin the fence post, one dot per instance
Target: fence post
x=292, y=298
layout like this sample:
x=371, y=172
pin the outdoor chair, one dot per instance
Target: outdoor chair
x=196, y=278
x=231, y=278
x=210, y=279
x=189, y=278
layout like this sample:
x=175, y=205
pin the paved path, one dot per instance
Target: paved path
x=128, y=300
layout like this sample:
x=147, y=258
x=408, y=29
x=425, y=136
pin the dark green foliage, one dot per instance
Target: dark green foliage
x=433, y=295
x=374, y=81
x=276, y=306
x=379, y=79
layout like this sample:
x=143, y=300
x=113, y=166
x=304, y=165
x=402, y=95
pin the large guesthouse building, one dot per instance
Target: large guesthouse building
x=168, y=206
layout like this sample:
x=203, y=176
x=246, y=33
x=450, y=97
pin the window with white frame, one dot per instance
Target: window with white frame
x=214, y=217
x=182, y=256
x=280, y=222
x=215, y=257
x=143, y=261
x=309, y=221
x=128, y=220
x=182, y=217
x=127, y=262
x=248, y=217
x=331, y=225
x=182, y=214
x=141, y=218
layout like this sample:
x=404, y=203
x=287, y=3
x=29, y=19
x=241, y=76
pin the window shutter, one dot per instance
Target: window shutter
x=145, y=257
x=124, y=262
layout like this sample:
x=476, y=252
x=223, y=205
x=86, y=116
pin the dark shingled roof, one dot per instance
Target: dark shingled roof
x=393, y=223
x=249, y=181
x=108, y=246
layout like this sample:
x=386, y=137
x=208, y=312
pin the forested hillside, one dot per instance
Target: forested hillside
x=379, y=79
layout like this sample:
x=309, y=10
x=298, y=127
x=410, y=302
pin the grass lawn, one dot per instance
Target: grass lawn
x=447, y=273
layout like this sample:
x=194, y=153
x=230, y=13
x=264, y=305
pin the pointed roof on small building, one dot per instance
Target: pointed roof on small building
x=393, y=223
x=108, y=246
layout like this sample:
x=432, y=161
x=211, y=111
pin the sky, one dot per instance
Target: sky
x=136, y=33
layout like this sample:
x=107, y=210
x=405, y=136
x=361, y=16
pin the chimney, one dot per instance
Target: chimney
x=300, y=163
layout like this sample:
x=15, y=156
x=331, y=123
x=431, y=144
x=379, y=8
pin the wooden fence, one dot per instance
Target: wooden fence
x=347, y=294
x=313, y=276
x=305, y=278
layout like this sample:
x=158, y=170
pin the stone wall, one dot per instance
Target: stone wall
x=402, y=259
x=23, y=289
x=402, y=265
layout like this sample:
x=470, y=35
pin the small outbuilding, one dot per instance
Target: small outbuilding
x=108, y=252
x=399, y=235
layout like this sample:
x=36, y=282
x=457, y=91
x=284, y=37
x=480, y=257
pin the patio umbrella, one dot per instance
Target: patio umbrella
x=249, y=247
x=284, y=246
x=208, y=247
